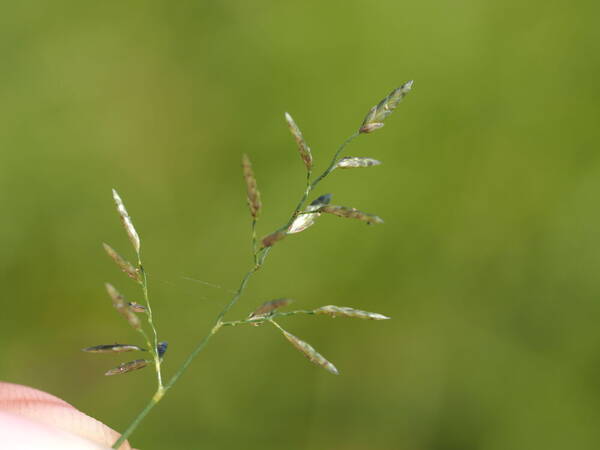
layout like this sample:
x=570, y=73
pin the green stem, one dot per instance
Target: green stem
x=153, y=348
x=254, y=241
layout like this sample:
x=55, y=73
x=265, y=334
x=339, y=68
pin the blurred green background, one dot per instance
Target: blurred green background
x=488, y=261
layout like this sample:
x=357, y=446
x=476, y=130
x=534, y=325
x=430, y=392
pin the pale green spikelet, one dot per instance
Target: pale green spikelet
x=344, y=311
x=378, y=113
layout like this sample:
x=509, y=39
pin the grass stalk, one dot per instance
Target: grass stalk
x=259, y=257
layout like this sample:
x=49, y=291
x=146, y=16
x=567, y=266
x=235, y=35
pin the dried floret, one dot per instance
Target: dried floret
x=128, y=367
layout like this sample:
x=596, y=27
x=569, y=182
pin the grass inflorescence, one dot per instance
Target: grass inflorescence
x=139, y=315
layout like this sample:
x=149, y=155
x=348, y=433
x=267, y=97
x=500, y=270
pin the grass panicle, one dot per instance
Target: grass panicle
x=127, y=223
x=309, y=351
x=123, y=264
x=302, y=217
x=122, y=307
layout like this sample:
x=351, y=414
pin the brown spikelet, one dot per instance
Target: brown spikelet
x=113, y=348
x=350, y=213
x=384, y=108
x=128, y=367
x=253, y=194
x=314, y=356
x=123, y=264
x=271, y=306
x=303, y=147
x=127, y=223
x=344, y=311
x=351, y=162
x=122, y=307
x=272, y=238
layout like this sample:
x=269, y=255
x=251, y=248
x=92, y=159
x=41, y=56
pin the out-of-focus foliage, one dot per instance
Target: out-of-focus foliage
x=488, y=262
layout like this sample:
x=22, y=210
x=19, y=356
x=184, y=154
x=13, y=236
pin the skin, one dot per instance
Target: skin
x=30, y=419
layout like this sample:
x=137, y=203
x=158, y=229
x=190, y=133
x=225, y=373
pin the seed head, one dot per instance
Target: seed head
x=314, y=356
x=127, y=223
x=378, y=113
x=123, y=264
x=253, y=194
x=303, y=147
x=128, y=367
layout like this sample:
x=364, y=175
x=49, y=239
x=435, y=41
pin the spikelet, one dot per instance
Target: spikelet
x=308, y=351
x=136, y=307
x=303, y=148
x=161, y=348
x=114, y=348
x=253, y=194
x=270, y=306
x=350, y=213
x=344, y=311
x=127, y=223
x=378, y=113
x=303, y=221
x=122, y=307
x=350, y=162
x=272, y=238
x=123, y=264
x=128, y=367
